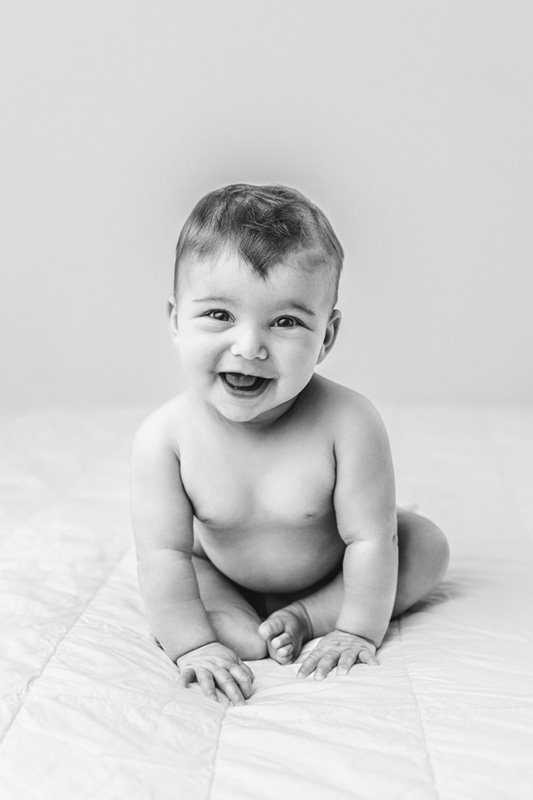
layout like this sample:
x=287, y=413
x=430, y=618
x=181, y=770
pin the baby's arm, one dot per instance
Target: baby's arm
x=365, y=508
x=163, y=527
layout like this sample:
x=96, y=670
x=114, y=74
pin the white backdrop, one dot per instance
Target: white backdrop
x=409, y=123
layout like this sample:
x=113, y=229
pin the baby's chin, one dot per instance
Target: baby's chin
x=254, y=417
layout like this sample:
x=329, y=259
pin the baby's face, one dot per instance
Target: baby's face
x=250, y=346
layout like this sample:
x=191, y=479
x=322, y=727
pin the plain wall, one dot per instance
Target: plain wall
x=409, y=123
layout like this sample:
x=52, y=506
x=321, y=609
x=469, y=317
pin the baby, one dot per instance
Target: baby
x=263, y=495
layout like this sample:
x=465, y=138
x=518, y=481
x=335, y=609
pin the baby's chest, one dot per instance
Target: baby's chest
x=228, y=489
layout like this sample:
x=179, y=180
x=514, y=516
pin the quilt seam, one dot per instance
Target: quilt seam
x=35, y=678
x=215, y=755
x=419, y=713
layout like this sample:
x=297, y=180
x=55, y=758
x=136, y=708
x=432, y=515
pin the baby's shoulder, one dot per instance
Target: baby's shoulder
x=160, y=429
x=350, y=413
x=344, y=401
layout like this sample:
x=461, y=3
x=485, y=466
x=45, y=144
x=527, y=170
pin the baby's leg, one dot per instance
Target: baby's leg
x=423, y=559
x=234, y=620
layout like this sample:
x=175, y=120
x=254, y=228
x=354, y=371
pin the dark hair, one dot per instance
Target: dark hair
x=263, y=224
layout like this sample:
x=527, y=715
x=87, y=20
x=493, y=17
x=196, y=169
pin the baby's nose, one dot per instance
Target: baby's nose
x=248, y=344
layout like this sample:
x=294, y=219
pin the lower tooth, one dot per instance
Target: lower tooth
x=243, y=384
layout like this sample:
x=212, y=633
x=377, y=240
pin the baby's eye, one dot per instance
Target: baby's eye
x=285, y=322
x=219, y=314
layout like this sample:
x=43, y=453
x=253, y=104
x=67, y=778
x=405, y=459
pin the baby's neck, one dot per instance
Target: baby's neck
x=263, y=424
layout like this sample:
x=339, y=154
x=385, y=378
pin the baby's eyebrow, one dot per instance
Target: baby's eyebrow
x=211, y=299
x=293, y=304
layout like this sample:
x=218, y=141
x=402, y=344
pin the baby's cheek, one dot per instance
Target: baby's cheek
x=198, y=357
x=304, y=360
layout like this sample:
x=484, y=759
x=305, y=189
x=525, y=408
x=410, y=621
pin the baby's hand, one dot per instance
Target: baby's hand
x=339, y=649
x=215, y=665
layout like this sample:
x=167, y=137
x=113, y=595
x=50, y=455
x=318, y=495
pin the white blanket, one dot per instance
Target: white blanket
x=92, y=708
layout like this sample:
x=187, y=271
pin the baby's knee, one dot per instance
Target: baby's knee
x=440, y=551
x=254, y=648
x=423, y=543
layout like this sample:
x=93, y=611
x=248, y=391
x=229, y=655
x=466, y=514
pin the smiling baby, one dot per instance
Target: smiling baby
x=263, y=495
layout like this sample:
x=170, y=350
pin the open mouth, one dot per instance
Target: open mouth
x=238, y=382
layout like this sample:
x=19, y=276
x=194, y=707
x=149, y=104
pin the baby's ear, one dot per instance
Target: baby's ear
x=172, y=315
x=331, y=334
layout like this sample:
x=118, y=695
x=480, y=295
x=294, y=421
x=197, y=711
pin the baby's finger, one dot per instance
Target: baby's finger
x=207, y=684
x=187, y=675
x=346, y=662
x=366, y=657
x=242, y=679
x=227, y=685
x=308, y=666
x=248, y=670
x=325, y=665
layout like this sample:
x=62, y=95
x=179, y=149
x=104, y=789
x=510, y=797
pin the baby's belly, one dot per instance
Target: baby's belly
x=275, y=559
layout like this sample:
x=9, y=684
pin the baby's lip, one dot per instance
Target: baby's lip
x=245, y=374
x=244, y=381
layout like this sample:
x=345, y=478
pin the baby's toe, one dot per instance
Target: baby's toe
x=281, y=640
x=285, y=654
x=271, y=627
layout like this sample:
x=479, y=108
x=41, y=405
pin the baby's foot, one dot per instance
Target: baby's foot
x=285, y=631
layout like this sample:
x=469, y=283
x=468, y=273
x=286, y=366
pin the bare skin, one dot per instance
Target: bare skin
x=295, y=619
x=263, y=496
x=269, y=578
